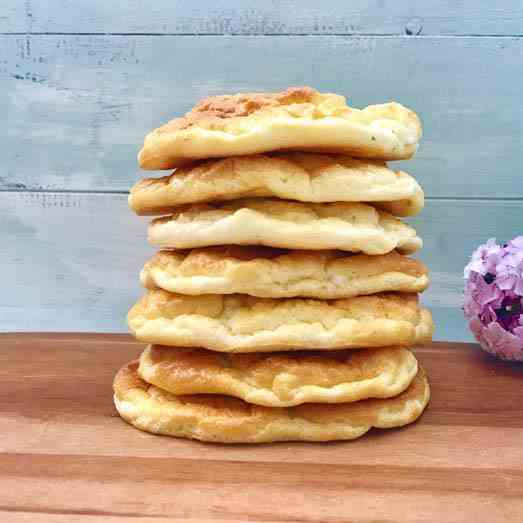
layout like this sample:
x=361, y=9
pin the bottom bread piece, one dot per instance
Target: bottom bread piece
x=281, y=379
x=229, y=420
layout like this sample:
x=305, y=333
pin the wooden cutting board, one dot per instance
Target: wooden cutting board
x=67, y=457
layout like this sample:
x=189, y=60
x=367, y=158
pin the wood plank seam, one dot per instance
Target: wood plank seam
x=93, y=191
x=273, y=35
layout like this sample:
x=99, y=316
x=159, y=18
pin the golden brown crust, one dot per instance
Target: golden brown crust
x=239, y=323
x=277, y=273
x=230, y=420
x=282, y=379
x=299, y=119
x=305, y=177
x=214, y=108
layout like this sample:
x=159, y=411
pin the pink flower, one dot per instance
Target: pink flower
x=483, y=258
x=493, y=302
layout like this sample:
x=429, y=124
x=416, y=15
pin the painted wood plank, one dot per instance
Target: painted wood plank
x=253, y=17
x=71, y=261
x=78, y=107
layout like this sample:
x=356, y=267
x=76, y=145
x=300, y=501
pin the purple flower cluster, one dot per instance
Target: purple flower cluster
x=493, y=297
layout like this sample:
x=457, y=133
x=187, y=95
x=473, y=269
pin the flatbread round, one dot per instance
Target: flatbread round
x=299, y=118
x=283, y=379
x=230, y=420
x=274, y=273
x=240, y=323
x=305, y=177
x=354, y=227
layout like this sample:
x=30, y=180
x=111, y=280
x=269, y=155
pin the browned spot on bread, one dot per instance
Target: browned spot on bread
x=242, y=104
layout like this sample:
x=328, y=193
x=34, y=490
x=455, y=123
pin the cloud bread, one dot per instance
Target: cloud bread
x=283, y=379
x=240, y=323
x=304, y=177
x=275, y=273
x=355, y=227
x=299, y=118
x=230, y=420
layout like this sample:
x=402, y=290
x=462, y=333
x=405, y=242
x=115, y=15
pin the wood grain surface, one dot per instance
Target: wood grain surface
x=65, y=455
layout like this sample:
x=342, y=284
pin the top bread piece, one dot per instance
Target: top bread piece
x=299, y=118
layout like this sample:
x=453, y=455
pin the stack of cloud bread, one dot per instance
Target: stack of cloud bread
x=283, y=303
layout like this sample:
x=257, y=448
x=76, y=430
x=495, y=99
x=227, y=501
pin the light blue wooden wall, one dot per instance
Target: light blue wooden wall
x=81, y=82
